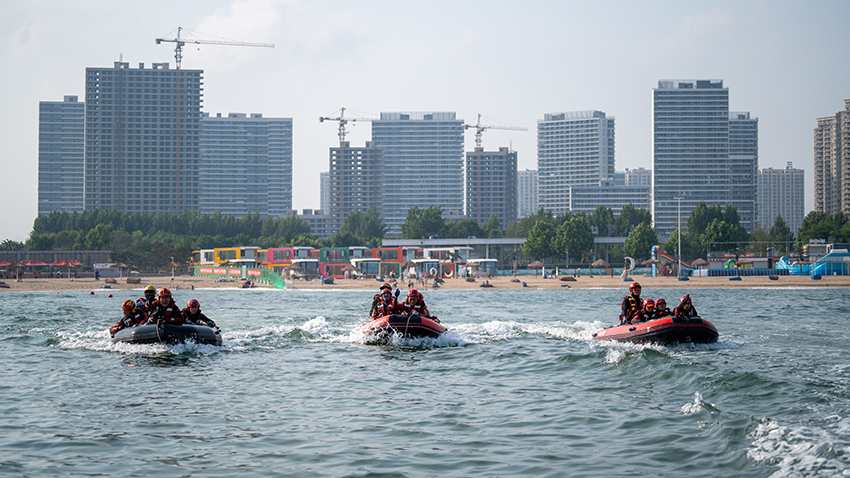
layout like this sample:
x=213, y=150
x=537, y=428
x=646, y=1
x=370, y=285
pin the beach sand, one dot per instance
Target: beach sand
x=502, y=282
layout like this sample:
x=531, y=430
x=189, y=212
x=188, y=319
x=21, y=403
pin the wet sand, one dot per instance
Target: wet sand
x=502, y=282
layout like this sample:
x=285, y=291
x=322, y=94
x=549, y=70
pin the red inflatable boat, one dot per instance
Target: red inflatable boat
x=403, y=325
x=666, y=330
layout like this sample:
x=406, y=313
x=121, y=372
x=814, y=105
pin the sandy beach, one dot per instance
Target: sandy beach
x=503, y=282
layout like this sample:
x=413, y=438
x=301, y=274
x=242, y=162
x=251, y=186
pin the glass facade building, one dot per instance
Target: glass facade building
x=61, y=155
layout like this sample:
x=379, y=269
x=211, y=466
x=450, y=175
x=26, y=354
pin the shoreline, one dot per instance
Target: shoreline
x=498, y=283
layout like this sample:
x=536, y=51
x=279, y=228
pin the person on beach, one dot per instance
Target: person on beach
x=166, y=309
x=415, y=304
x=631, y=304
x=685, y=309
x=384, y=303
x=132, y=316
x=192, y=314
x=645, y=314
x=661, y=309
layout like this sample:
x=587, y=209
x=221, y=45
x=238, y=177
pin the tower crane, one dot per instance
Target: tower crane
x=178, y=50
x=480, y=128
x=342, y=122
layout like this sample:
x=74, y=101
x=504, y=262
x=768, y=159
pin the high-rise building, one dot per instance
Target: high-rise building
x=527, y=192
x=491, y=185
x=699, y=153
x=637, y=177
x=142, y=135
x=325, y=190
x=781, y=192
x=832, y=162
x=246, y=165
x=60, y=155
x=423, y=163
x=356, y=181
x=573, y=149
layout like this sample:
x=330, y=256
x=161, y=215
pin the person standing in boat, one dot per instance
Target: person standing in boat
x=384, y=303
x=646, y=314
x=415, y=304
x=685, y=309
x=166, y=309
x=631, y=304
x=132, y=316
x=192, y=314
x=661, y=309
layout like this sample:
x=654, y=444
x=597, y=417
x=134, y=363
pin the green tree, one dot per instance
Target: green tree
x=491, y=228
x=630, y=217
x=640, y=241
x=423, y=223
x=10, y=245
x=522, y=227
x=538, y=244
x=575, y=236
x=780, y=235
x=688, y=249
x=721, y=235
x=602, y=218
x=465, y=228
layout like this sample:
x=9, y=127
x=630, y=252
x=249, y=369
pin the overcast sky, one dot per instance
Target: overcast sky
x=786, y=62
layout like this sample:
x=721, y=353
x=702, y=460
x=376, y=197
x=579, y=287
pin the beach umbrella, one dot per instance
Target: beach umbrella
x=700, y=263
x=5, y=263
x=28, y=263
x=120, y=266
x=650, y=262
x=408, y=264
x=535, y=265
x=600, y=264
x=226, y=264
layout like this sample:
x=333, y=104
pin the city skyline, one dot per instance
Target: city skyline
x=764, y=51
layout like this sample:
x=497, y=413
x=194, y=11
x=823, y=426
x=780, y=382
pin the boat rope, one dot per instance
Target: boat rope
x=158, y=322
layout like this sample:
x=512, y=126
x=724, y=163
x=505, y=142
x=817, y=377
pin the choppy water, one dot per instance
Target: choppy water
x=516, y=388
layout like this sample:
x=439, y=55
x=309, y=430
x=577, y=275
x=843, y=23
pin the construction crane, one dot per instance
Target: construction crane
x=178, y=50
x=480, y=128
x=342, y=122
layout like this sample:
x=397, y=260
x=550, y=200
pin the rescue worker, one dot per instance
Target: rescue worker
x=132, y=316
x=415, y=304
x=150, y=298
x=384, y=303
x=166, y=309
x=685, y=309
x=661, y=309
x=192, y=314
x=645, y=314
x=631, y=304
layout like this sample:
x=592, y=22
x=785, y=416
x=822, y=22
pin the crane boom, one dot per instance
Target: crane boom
x=178, y=49
x=480, y=128
x=342, y=122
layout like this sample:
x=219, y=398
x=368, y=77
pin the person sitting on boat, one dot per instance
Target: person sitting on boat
x=661, y=309
x=150, y=298
x=192, y=314
x=685, y=309
x=166, y=309
x=645, y=314
x=415, y=304
x=631, y=304
x=384, y=303
x=132, y=316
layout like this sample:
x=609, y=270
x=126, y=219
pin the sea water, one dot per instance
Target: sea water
x=517, y=387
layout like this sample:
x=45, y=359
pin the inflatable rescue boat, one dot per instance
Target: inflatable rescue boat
x=403, y=325
x=666, y=330
x=168, y=334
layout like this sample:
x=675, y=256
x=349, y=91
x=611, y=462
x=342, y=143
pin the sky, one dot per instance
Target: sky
x=786, y=62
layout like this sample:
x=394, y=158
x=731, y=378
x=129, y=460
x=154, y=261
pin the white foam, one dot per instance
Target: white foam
x=694, y=406
x=800, y=450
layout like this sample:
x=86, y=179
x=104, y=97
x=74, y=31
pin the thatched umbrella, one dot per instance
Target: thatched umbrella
x=408, y=264
x=600, y=264
x=651, y=262
x=535, y=265
x=120, y=266
x=700, y=263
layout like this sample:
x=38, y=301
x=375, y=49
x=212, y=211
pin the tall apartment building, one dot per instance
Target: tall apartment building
x=637, y=177
x=526, y=192
x=573, y=149
x=246, y=165
x=356, y=181
x=61, y=140
x=693, y=135
x=491, y=185
x=142, y=138
x=832, y=162
x=324, y=190
x=781, y=192
x=423, y=163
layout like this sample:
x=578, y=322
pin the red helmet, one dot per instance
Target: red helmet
x=661, y=302
x=634, y=286
x=686, y=299
x=386, y=286
x=414, y=293
x=128, y=305
x=648, y=302
x=164, y=292
x=193, y=303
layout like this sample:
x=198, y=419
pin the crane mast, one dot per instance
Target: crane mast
x=342, y=122
x=181, y=42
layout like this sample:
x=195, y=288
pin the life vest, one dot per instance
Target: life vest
x=136, y=318
x=171, y=313
x=198, y=318
x=630, y=306
x=420, y=308
x=381, y=308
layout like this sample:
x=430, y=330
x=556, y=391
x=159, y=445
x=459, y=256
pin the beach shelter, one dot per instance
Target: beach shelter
x=28, y=263
x=535, y=265
x=5, y=263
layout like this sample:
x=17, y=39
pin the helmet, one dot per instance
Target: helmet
x=648, y=302
x=686, y=299
x=150, y=287
x=128, y=305
x=634, y=286
x=386, y=286
x=661, y=302
x=164, y=292
x=193, y=303
x=414, y=293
